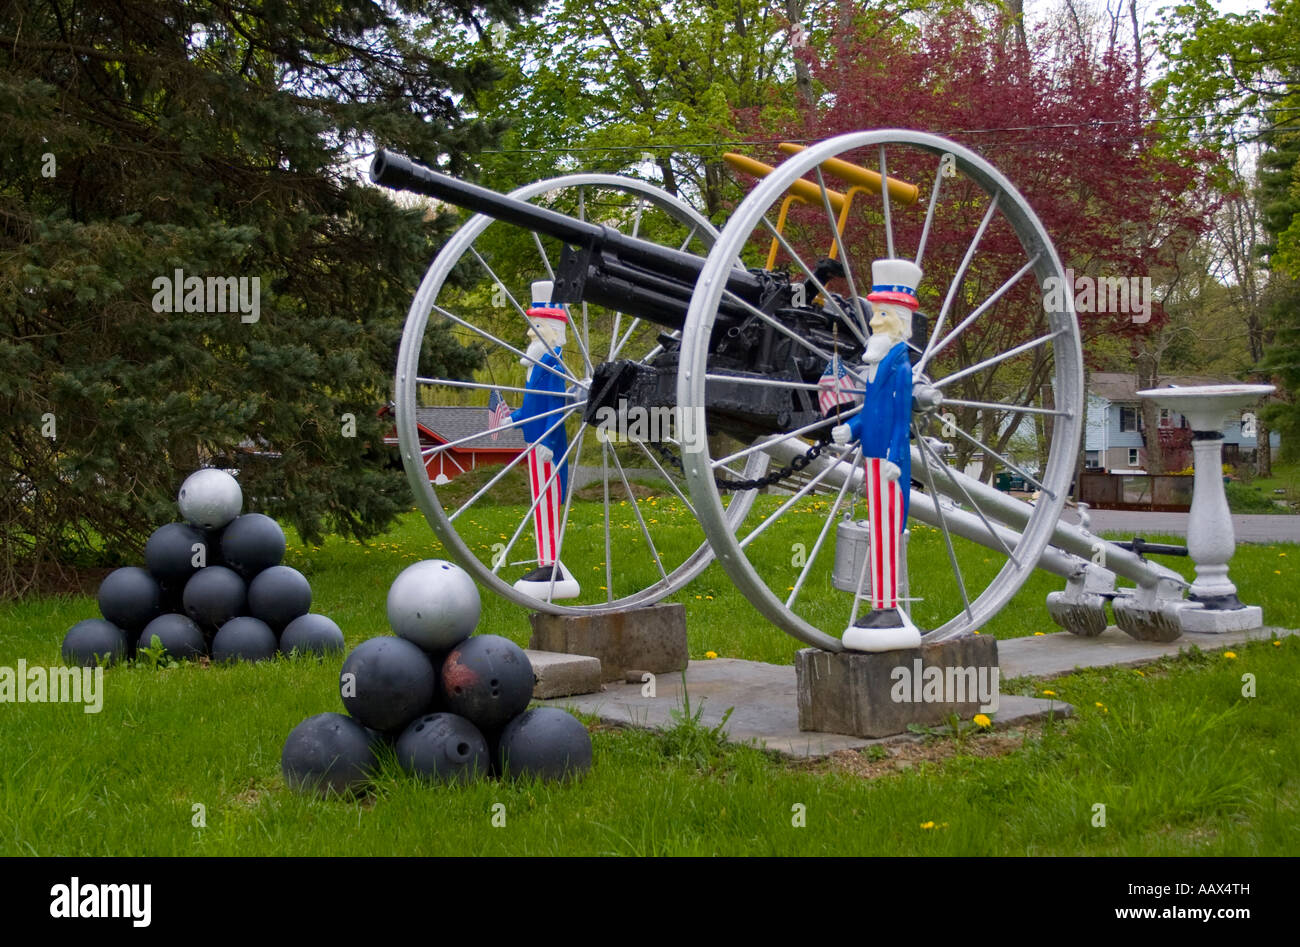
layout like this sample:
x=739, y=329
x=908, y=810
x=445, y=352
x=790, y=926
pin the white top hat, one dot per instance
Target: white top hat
x=544, y=312
x=894, y=281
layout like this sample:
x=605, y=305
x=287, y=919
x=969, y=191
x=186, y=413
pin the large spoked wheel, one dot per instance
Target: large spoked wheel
x=998, y=385
x=628, y=533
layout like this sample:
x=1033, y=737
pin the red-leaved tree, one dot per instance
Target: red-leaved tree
x=1067, y=121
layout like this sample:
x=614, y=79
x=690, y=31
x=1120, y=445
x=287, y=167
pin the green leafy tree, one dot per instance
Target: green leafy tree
x=145, y=137
x=1229, y=72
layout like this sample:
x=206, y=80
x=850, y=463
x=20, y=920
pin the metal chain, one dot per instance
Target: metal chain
x=727, y=485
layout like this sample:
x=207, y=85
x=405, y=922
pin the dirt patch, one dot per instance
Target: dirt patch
x=596, y=491
x=882, y=759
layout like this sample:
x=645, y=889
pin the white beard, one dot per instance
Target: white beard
x=878, y=346
x=536, y=349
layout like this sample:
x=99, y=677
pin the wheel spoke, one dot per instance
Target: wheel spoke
x=997, y=359
x=636, y=508
x=955, y=286
x=1012, y=408
x=767, y=442
x=486, y=386
x=487, y=486
x=929, y=452
x=613, y=335
x=976, y=313
x=826, y=527
x=506, y=345
x=622, y=342
x=1006, y=461
x=658, y=466
x=541, y=251
x=769, y=383
x=854, y=299
x=884, y=203
x=947, y=537
x=817, y=284
x=439, y=448
x=929, y=214
x=780, y=510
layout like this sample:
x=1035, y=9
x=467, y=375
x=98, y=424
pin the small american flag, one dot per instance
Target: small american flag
x=836, y=386
x=498, y=412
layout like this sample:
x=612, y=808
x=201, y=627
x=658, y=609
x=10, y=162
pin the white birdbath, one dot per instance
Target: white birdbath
x=1212, y=604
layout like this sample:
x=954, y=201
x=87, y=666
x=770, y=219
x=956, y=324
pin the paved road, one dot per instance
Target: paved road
x=1249, y=528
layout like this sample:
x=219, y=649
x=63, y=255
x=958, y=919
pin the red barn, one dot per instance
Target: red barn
x=448, y=423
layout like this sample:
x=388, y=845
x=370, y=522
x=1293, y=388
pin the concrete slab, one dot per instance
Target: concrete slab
x=1060, y=653
x=764, y=698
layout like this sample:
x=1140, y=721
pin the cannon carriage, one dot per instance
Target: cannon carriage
x=666, y=312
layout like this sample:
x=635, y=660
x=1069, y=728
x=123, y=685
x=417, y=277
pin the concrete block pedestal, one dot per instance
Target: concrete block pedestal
x=878, y=695
x=636, y=640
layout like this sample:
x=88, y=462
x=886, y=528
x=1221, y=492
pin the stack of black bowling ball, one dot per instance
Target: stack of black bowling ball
x=213, y=586
x=452, y=707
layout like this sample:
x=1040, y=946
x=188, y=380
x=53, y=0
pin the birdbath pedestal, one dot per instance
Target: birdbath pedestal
x=1212, y=604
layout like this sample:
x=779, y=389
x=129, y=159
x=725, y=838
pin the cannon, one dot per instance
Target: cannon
x=671, y=317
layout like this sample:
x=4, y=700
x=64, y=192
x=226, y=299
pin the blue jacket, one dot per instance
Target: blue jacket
x=884, y=424
x=544, y=394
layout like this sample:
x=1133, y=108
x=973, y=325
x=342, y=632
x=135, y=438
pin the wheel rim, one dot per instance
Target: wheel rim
x=609, y=564
x=767, y=587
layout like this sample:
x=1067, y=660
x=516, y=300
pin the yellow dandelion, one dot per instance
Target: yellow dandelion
x=1039, y=634
x=927, y=825
x=1281, y=555
x=1048, y=693
x=1277, y=644
x=1140, y=673
x=982, y=720
x=1100, y=706
x=1230, y=655
x=1277, y=571
x=710, y=654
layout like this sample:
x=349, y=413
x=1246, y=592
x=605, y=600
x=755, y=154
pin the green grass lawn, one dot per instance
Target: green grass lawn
x=1182, y=762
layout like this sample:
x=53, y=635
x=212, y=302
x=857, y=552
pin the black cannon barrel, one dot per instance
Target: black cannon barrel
x=401, y=173
x=659, y=262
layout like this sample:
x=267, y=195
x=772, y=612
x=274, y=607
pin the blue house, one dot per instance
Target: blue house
x=1113, y=435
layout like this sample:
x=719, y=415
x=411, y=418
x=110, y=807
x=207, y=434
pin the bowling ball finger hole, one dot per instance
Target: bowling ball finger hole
x=462, y=749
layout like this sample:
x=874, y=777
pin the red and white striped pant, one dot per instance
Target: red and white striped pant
x=885, y=506
x=546, y=515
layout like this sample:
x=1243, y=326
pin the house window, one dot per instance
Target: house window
x=1132, y=456
x=1166, y=417
x=1092, y=458
x=1129, y=418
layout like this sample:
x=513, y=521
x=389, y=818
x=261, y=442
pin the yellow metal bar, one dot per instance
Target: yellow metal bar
x=780, y=228
x=844, y=217
x=852, y=173
x=806, y=191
